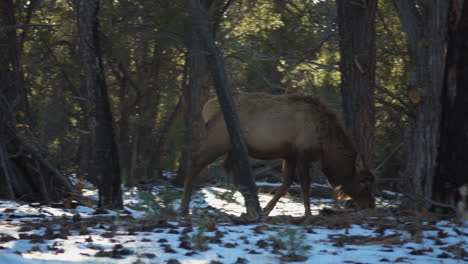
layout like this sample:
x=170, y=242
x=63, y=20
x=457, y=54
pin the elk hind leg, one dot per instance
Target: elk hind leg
x=304, y=178
x=289, y=167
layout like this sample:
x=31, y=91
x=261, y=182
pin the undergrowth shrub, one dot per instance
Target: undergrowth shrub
x=160, y=204
x=198, y=240
x=293, y=240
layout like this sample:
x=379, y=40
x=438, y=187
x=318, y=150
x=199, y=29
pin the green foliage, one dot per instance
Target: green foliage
x=272, y=46
x=293, y=240
x=198, y=239
x=392, y=75
x=160, y=205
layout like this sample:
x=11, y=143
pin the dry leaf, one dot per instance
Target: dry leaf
x=389, y=240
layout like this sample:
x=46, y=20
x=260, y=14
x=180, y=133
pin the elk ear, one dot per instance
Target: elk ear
x=359, y=163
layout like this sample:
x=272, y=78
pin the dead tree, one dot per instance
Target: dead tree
x=104, y=160
x=425, y=25
x=357, y=49
x=25, y=173
x=196, y=92
x=453, y=155
x=200, y=24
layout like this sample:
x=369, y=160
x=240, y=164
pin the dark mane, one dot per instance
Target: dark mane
x=335, y=127
x=336, y=135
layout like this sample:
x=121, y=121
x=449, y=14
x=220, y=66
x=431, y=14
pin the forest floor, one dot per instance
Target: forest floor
x=70, y=233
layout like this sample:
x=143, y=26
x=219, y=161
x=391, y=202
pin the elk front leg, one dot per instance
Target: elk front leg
x=289, y=167
x=210, y=150
x=188, y=187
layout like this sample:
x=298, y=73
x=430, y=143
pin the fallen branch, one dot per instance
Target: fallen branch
x=430, y=201
x=268, y=169
x=388, y=157
x=26, y=145
x=6, y=172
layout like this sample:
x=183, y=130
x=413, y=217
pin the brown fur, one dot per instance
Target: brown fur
x=299, y=129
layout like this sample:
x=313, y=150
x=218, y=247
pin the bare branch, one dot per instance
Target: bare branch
x=432, y=202
x=6, y=172
x=217, y=18
x=289, y=59
x=163, y=30
x=388, y=157
x=395, y=107
x=392, y=95
x=411, y=20
x=2, y=29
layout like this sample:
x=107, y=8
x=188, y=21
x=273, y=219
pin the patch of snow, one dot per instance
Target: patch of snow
x=253, y=242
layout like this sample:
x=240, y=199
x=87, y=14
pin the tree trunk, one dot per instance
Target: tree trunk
x=148, y=111
x=453, y=155
x=124, y=123
x=196, y=93
x=425, y=25
x=105, y=162
x=24, y=172
x=200, y=24
x=159, y=151
x=357, y=49
x=14, y=90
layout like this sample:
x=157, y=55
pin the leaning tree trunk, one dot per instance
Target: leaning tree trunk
x=425, y=25
x=357, y=49
x=197, y=92
x=200, y=24
x=104, y=161
x=24, y=172
x=453, y=152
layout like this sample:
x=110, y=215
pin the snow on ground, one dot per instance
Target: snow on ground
x=34, y=233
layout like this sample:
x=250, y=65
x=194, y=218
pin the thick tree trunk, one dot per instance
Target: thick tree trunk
x=197, y=92
x=24, y=172
x=13, y=90
x=159, y=151
x=200, y=24
x=124, y=125
x=425, y=25
x=148, y=111
x=105, y=162
x=357, y=48
x=453, y=152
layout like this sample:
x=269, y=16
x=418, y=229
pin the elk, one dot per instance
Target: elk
x=300, y=130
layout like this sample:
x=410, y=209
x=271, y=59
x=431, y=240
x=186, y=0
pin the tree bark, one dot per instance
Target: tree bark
x=14, y=90
x=197, y=92
x=356, y=24
x=148, y=111
x=24, y=172
x=124, y=125
x=453, y=155
x=200, y=24
x=105, y=162
x=425, y=25
x=157, y=155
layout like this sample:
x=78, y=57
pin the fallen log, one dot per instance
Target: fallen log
x=316, y=189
